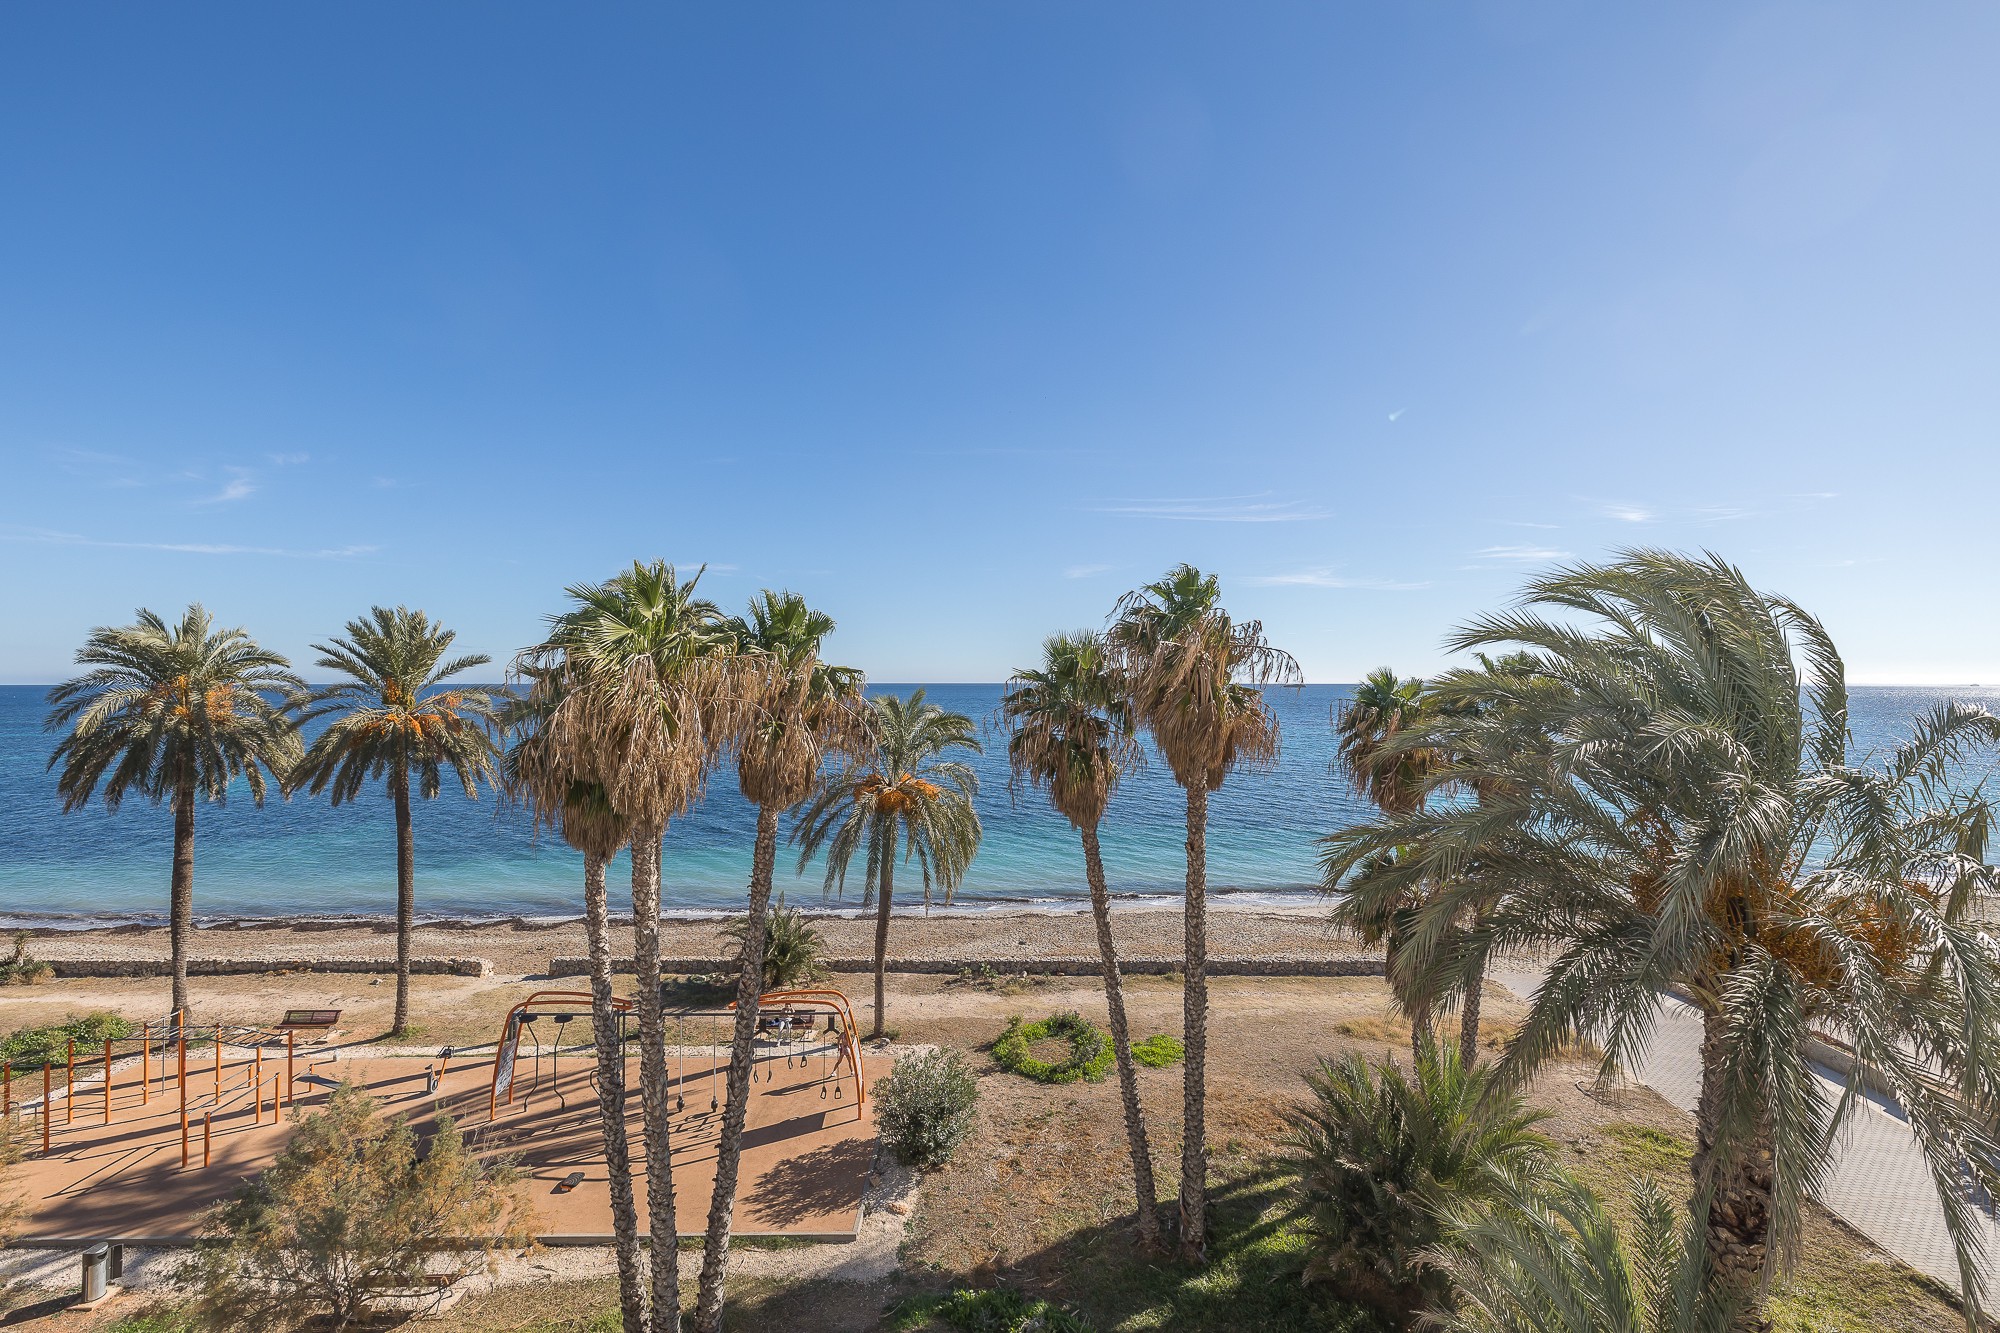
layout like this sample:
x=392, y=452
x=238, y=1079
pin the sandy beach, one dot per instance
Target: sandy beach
x=524, y=948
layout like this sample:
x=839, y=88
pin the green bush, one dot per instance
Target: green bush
x=926, y=1107
x=23, y=969
x=995, y=1310
x=1159, y=1052
x=31, y=1048
x=1090, y=1052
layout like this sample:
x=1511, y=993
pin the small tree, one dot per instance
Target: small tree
x=793, y=947
x=926, y=1107
x=1380, y=1155
x=355, y=1210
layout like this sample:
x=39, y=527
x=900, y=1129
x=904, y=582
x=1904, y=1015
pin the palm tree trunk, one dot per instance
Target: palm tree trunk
x=406, y=897
x=882, y=894
x=742, y=1048
x=1468, y=1014
x=1121, y=1045
x=1194, y=995
x=180, y=893
x=1738, y=1230
x=654, y=1095
x=611, y=1097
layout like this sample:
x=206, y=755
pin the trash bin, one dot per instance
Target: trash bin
x=115, y=1271
x=96, y=1262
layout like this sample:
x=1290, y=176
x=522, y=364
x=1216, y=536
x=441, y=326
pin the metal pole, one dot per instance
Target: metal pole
x=107, y=1080
x=184, y=1136
x=46, y=1095
x=291, y=1045
x=218, y=1064
x=69, y=1087
x=146, y=1065
x=205, y=1125
x=181, y=1065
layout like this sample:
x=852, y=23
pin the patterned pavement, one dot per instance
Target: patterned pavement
x=1879, y=1184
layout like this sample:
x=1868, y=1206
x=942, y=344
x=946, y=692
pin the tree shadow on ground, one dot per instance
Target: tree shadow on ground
x=1253, y=1278
x=827, y=1180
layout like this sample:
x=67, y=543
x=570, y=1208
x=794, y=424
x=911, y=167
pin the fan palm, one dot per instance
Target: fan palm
x=1381, y=1155
x=1189, y=675
x=394, y=717
x=1672, y=808
x=546, y=770
x=653, y=692
x=174, y=713
x=1070, y=738
x=903, y=788
x=801, y=709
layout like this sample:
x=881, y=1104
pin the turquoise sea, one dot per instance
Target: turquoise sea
x=480, y=860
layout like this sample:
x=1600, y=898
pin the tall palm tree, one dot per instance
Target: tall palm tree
x=1190, y=675
x=546, y=770
x=1674, y=808
x=175, y=713
x=902, y=789
x=1072, y=739
x=802, y=711
x=394, y=718
x=1384, y=710
x=654, y=691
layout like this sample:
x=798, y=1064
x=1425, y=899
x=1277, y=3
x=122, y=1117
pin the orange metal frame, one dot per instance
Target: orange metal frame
x=573, y=1001
x=833, y=1002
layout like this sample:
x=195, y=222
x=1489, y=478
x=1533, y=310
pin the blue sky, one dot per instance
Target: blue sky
x=962, y=319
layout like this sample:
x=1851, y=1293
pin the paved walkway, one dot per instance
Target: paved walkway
x=1880, y=1184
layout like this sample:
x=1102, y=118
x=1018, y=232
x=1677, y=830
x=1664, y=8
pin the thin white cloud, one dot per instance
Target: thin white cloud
x=1523, y=523
x=1628, y=513
x=1218, y=509
x=1722, y=513
x=47, y=537
x=1085, y=571
x=240, y=486
x=1397, y=414
x=1328, y=578
x=290, y=460
x=1521, y=554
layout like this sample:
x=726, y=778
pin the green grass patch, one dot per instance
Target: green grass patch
x=1159, y=1052
x=1089, y=1055
x=994, y=1310
x=1647, y=1151
x=158, y=1318
x=32, y=1048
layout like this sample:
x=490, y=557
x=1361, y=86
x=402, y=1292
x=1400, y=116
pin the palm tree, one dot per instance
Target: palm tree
x=802, y=710
x=1189, y=674
x=901, y=789
x=175, y=713
x=1673, y=808
x=1071, y=738
x=546, y=770
x=395, y=718
x=1387, y=709
x=1381, y=1155
x=653, y=691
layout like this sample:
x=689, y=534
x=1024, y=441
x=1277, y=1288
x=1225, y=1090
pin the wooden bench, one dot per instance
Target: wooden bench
x=319, y=1021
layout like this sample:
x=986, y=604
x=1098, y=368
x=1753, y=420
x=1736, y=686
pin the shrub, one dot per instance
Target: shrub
x=926, y=1107
x=1090, y=1052
x=793, y=947
x=352, y=1212
x=994, y=1310
x=1380, y=1157
x=23, y=969
x=31, y=1048
x=1159, y=1052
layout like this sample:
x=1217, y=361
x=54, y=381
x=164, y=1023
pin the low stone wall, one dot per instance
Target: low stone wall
x=245, y=967
x=1061, y=967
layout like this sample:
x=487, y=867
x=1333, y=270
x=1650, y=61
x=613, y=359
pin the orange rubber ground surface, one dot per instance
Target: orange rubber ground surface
x=806, y=1157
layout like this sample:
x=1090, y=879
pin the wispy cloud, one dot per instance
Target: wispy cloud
x=1722, y=513
x=290, y=460
x=113, y=470
x=1523, y=523
x=48, y=537
x=1330, y=578
x=1627, y=513
x=1398, y=414
x=1527, y=555
x=240, y=486
x=1085, y=571
x=1259, y=508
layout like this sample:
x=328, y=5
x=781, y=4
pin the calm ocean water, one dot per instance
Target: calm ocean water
x=478, y=860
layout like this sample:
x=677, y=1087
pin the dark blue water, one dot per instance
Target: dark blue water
x=476, y=859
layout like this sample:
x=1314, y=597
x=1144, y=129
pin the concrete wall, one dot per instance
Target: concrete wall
x=238, y=967
x=1064, y=967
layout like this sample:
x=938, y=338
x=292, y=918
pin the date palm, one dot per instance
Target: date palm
x=174, y=713
x=653, y=692
x=1190, y=674
x=800, y=711
x=1673, y=808
x=1070, y=737
x=903, y=790
x=394, y=718
x=550, y=773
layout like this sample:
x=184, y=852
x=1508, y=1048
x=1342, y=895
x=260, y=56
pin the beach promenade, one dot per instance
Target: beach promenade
x=1879, y=1183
